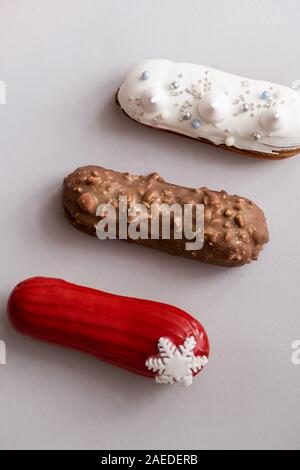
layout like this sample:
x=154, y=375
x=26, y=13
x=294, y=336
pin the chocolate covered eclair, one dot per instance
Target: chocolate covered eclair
x=235, y=228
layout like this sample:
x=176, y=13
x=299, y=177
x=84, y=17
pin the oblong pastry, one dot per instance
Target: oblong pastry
x=252, y=117
x=149, y=338
x=235, y=228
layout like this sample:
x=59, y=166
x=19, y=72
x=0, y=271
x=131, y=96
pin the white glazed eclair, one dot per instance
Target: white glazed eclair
x=252, y=117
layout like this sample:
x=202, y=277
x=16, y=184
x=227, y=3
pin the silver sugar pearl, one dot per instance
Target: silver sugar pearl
x=175, y=85
x=256, y=136
x=146, y=75
x=186, y=116
x=245, y=107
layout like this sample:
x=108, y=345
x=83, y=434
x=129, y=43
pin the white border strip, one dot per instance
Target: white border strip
x=2, y=353
x=2, y=92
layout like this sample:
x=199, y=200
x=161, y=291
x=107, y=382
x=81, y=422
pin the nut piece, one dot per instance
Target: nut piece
x=155, y=177
x=228, y=213
x=94, y=180
x=228, y=236
x=152, y=196
x=240, y=220
x=87, y=202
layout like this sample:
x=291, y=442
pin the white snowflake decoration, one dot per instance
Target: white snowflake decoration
x=175, y=364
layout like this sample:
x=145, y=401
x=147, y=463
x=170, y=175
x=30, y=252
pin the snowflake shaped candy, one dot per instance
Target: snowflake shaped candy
x=176, y=364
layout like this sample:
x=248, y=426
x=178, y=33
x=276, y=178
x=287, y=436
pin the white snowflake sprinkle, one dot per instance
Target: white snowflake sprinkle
x=175, y=364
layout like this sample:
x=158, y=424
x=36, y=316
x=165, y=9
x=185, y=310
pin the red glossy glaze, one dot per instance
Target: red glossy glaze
x=120, y=330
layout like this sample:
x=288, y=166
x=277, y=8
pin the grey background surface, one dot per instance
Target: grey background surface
x=61, y=61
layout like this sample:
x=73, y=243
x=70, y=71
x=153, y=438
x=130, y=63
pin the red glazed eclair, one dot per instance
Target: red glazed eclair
x=149, y=338
x=235, y=228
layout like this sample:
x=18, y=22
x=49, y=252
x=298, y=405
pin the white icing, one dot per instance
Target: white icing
x=176, y=364
x=214, y=107
x=164, y=115
x=154, y=99
x=273, y=119
x=198, y=85
x=230, y=141
x=296, y=85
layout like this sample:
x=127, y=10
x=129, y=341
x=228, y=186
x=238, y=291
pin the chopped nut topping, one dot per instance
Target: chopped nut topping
x=87, y=202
